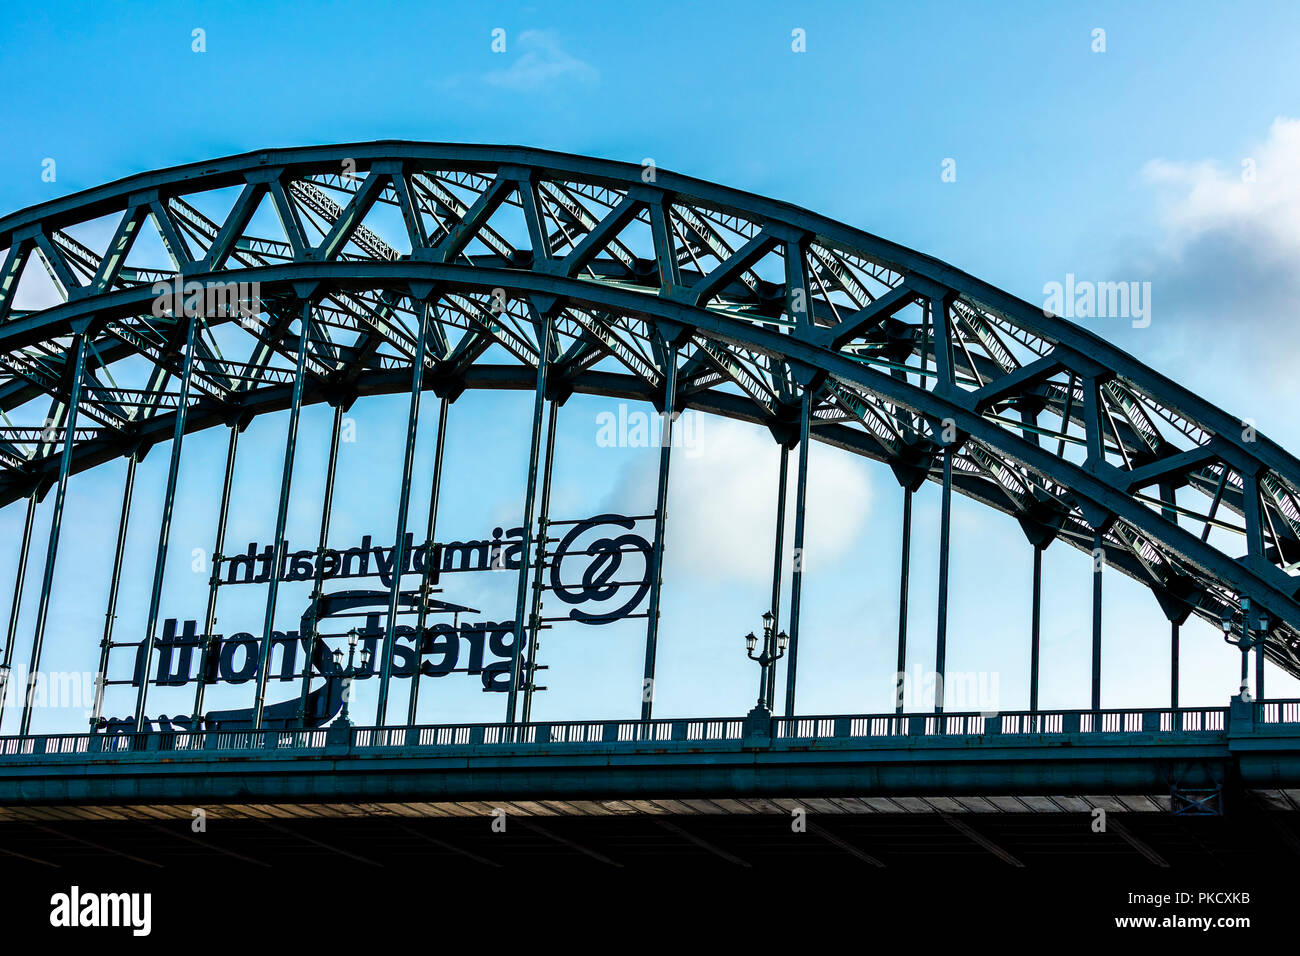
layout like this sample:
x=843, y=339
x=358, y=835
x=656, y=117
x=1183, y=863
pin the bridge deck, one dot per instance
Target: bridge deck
x=1073, y=753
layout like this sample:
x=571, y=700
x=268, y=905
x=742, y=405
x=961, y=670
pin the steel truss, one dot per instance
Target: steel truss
x=325, y=273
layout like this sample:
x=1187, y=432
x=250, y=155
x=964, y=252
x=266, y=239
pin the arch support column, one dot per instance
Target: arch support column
x=403, y=505
x=165, y=527
x=525, y=553
x=282, y=511
x=56, y=524
x=670, y=334
x=796, y=577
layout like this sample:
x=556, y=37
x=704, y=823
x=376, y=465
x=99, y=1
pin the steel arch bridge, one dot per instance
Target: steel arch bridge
x=399, y=266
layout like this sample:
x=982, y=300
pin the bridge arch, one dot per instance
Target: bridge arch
x=634, y=277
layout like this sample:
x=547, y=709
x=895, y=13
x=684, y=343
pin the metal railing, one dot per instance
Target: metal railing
x=1278, y=712
x=1021, y=723
x=680, y=732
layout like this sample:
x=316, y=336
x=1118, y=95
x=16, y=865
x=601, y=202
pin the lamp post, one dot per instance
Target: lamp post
x=1263, y=624
x=350, y=671
x=1253, y=624
x=773, y=650
x=1229, y=624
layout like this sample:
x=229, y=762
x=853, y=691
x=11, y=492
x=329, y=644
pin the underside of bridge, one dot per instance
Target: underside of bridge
x=668, y=871
x=1037, y=832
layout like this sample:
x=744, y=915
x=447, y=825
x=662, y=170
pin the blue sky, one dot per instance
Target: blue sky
x=1122, y=164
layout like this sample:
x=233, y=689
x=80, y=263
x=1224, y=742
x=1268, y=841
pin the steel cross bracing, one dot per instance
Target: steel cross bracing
x=903, y=355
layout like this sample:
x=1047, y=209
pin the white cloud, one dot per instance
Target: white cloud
x=1221, y=250
x=1203, y=200
x=723, y=503
x=540, y=60
x=1224, y=268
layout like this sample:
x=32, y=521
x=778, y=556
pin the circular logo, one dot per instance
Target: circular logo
x=600, y=581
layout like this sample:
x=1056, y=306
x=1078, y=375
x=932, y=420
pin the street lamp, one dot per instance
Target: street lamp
x=1257, y=621
x=1229, y=624
x=1253, y=624
x=351, y=670
x=773, y=651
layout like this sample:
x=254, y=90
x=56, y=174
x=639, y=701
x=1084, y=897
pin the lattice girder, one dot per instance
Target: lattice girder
x=906, y=354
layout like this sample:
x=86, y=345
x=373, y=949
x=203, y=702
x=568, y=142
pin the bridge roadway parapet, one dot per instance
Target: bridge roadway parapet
x=1256, y=745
